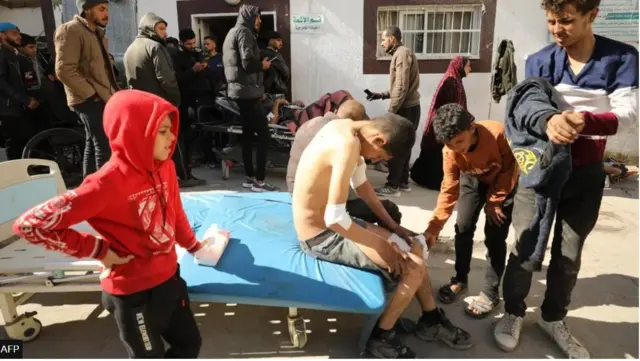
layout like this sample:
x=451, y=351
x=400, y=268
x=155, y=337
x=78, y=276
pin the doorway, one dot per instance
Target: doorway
x=218, y=25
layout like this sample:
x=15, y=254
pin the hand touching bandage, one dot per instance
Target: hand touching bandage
x=211, y=249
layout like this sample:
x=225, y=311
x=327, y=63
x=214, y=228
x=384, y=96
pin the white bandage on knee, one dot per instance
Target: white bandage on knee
x=337, y=214
x=359, y=175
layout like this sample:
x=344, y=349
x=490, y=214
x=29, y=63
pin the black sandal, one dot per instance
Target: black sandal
x=447, y=296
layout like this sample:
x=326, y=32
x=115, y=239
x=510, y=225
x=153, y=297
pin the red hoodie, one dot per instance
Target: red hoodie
x=133, y=202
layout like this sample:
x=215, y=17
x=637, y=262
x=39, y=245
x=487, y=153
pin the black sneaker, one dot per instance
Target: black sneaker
x=444, y=331
x=191, y=182
x=387, y=345
x=388, y=191
x=405, y=187
x=263, y=187
x=197, y=181
x=248, y=182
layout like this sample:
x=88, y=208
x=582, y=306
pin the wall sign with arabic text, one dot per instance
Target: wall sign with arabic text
x=307, y=23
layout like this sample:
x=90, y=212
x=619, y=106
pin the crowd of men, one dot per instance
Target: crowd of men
x=578, y=91
x=175, y=69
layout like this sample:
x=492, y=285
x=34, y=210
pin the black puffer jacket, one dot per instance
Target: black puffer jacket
x=241, y=57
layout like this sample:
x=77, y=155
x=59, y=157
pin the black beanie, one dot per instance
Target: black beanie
x=83, y=5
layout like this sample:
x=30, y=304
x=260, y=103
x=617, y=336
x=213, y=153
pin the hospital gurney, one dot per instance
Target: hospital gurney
x=228, y=123
x=262, y=265
x=26, y=269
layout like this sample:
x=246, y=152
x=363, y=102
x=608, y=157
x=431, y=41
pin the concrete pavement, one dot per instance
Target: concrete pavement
x=603, y=315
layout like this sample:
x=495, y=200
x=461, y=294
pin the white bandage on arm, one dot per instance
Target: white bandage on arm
x=359, y=175
x=337, y=214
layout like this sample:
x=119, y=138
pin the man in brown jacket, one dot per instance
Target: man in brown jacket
x=84, y=67
x=404, y=101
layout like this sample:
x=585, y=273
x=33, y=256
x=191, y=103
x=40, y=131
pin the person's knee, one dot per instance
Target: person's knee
x=415, y=269
x=465, y=229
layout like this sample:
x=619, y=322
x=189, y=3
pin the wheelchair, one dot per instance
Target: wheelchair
x=62, y=142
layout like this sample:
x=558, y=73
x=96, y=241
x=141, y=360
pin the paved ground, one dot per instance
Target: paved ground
x=604, y=312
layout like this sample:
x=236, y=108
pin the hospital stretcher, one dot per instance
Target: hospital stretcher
x=262, y=265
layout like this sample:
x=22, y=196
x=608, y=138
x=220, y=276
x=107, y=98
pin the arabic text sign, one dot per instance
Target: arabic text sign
x=309, y=23
x=618, y=19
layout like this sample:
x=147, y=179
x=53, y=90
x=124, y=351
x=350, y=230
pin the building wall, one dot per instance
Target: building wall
x=166, y=9
x=332, y=60
x=29, y=20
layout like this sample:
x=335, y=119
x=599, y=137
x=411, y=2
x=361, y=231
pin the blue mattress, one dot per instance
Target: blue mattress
x=263, y=264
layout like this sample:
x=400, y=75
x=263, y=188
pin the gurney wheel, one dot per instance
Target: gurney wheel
x=226, y=170
x=24, y=328
x=297, y=331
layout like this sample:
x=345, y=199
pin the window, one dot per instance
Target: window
x=434, y=31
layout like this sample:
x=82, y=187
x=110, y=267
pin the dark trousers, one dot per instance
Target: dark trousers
x=96, y=150
x=147, y=318
x=576, y=216
x=358, y=208
x=399, y=166
x=472, y=199
x=182, y=154
x=16, y=131
x=254, y=122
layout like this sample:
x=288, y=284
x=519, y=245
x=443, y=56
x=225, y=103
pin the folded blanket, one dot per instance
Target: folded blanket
x=544, y=166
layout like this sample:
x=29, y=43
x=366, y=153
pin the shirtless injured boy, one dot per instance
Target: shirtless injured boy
x=331, y=163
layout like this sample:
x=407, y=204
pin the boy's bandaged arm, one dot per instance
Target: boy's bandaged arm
x=344, y=161
x=49, y=224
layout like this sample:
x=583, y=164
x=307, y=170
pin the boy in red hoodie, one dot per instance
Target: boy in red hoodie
x=133, y=202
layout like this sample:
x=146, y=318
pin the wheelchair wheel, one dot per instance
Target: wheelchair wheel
x=64, y=146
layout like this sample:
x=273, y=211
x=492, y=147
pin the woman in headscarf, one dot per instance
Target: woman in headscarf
x=427, y=169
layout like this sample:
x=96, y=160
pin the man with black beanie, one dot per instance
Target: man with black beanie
x=84, y=67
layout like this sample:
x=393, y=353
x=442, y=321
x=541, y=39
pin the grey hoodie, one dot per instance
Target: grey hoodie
x=147, y=62
x=241, y=57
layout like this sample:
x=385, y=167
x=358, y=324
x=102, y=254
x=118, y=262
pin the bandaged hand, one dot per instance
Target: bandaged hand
x=212, y=247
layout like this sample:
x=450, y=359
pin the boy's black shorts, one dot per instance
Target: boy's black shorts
x=148, y=317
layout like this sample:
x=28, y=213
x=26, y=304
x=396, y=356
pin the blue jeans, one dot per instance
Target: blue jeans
x=96, y=150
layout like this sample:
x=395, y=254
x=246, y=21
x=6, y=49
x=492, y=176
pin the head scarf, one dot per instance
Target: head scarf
x=456, y=72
